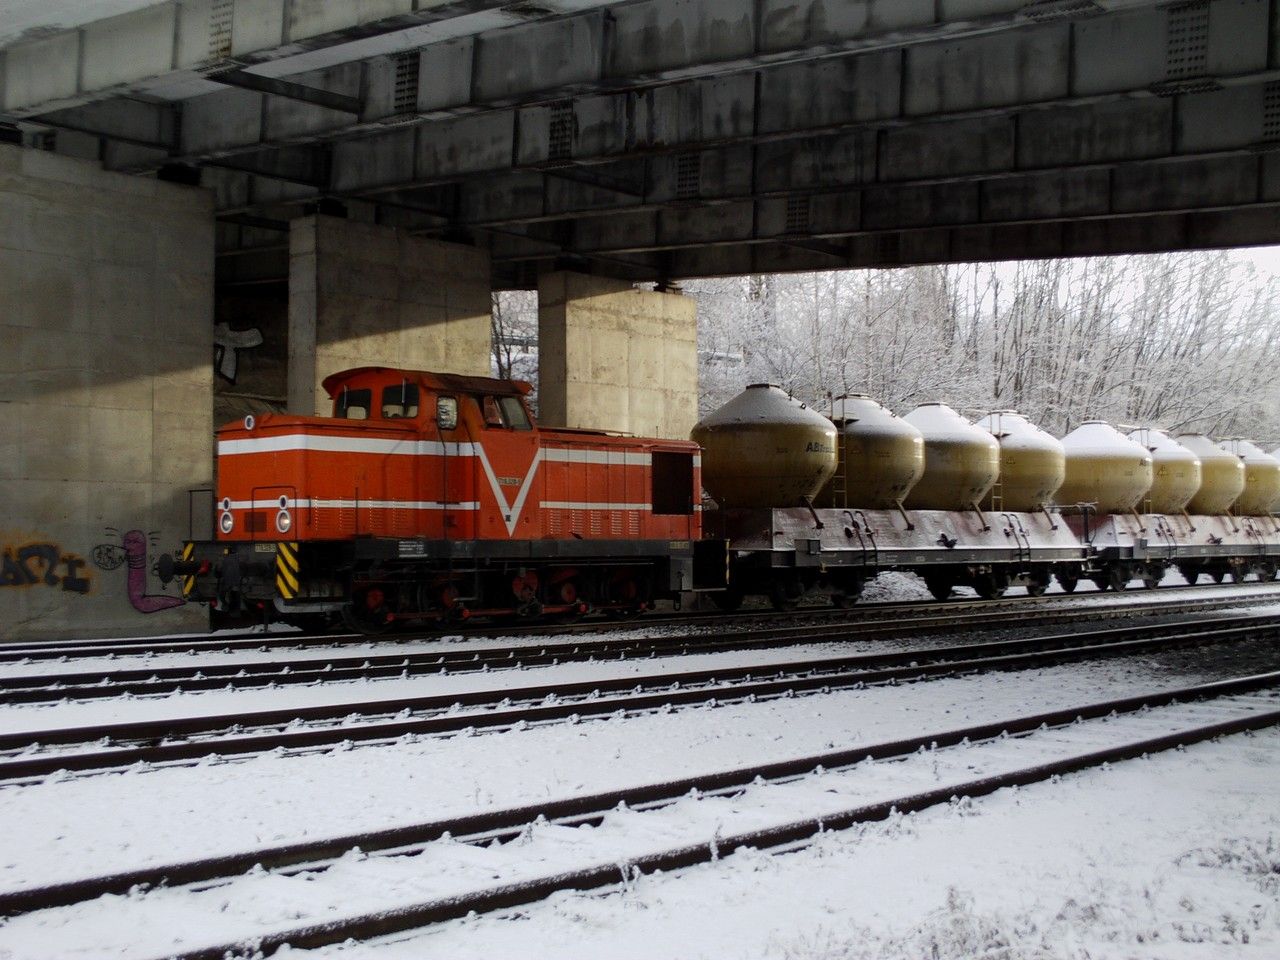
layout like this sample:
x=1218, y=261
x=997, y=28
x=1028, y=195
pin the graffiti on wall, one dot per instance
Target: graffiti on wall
x=43, y=564
x=226, y=346
x=131, y=553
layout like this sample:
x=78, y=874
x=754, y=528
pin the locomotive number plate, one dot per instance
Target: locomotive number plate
x=264, y=548
x=412, y=548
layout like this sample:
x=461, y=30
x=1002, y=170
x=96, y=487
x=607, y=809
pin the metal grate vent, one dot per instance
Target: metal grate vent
x=1187, y=54
x=688, y=175
x=1271, y=111
x=220, y=20
x=797, y=214
x=405, y=98
x=560, y=132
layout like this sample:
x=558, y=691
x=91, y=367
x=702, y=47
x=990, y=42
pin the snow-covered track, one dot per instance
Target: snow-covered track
x=107, y=746
x=152, y=681
x=897, y=611
x=1193, y=714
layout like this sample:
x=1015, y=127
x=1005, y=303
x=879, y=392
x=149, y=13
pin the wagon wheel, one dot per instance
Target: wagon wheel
x=1118, y=578
x=1151, y=577
x=782, y=596
x=939, y=586
x=1189, y=574
x=990, y=586
x=1037, y=584
x=1218, y=575
x=1238, y=574
x=727, y=600
x=847, y=595
x=1068, y=580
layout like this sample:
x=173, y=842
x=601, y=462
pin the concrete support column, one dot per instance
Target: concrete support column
x=615, y=358
x=367, y=295
x=106, y=394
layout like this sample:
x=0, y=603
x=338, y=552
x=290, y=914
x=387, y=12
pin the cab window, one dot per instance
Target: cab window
x=513, y=414
x=354, y=404
x=505, y=412
x=400, y=402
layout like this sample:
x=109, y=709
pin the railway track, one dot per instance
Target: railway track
x=156, y=681
x=37, y=650
x=106, y=746
x=1113, y=731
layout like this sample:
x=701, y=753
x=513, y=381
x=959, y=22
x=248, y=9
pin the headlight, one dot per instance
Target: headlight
x=283, y=521
x=226, y=523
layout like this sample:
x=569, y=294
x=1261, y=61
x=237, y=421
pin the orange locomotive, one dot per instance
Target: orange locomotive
x=434, y=496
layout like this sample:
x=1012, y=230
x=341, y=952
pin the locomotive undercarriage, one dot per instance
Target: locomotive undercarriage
x=371, y=584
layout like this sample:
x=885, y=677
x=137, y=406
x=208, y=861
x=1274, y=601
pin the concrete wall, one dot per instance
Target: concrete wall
x=365, y=295
x=616, y=358
x=106, y=299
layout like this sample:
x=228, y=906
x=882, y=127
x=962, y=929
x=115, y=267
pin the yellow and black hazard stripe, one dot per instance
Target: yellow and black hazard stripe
x=287, y=570
x=189, y=581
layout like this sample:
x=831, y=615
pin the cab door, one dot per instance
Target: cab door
x=510, y=463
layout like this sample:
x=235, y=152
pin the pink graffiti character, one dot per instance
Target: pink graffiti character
x=135, y=552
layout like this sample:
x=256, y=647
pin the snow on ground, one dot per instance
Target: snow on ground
x=902, y=586
x=153, y=924
x=78, y=826
x=19, y=718
x=1175, y=857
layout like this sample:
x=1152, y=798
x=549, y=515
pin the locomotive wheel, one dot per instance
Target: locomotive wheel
x=367, y=613
x=939, y=586
x=1068, y=580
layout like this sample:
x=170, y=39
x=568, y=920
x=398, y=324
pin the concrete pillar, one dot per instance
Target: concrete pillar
x=366, y=295
x=615, y=358
x=106, y=340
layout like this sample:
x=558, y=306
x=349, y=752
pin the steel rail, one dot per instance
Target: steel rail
x=56, y=649
x=99, y=684
x=316, y=856
x=155, y=741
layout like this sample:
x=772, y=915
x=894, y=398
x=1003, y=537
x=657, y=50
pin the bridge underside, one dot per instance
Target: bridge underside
x=662, y=139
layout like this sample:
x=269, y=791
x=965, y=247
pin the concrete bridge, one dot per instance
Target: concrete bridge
x=659, y=139
x=206, y=206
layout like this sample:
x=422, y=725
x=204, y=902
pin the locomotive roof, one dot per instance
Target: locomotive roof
x=447, y=382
